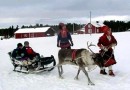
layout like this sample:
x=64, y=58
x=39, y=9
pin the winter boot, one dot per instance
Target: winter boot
x=103, y=72
x=111, y=73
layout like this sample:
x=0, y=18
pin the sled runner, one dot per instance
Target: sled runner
x=32, y=66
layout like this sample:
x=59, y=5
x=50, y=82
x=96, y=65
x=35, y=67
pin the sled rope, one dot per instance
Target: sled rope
x=108, y=59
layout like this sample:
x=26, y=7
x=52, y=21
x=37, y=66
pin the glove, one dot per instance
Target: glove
x=103, y=48
x=72, y=43
x=58, y=45
x=114, y=44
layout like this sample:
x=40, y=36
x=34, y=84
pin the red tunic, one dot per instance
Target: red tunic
x=108, y=56
x=103, y=40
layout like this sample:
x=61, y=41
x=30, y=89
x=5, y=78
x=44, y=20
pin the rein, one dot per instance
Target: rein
x=92, y=69
x=106, y=54
x=108, y=59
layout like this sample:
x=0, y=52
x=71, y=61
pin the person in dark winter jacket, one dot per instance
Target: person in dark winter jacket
x=64, y=39
x=30, y=53
x=18, y=53
x=105, y=43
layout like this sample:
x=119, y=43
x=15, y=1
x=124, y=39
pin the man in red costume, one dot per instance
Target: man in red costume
x=106, y=42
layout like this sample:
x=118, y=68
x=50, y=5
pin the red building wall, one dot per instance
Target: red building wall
x=90, y=28
x=21, y=35
x=29, y=35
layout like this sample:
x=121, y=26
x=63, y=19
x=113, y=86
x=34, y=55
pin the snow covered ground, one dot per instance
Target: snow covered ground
x=46, y=46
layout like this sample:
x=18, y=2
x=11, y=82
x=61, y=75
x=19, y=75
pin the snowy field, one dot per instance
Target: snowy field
x=46, y=46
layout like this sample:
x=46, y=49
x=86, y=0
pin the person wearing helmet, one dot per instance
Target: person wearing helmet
x=64, y=39
x=105, y=43
x=18, y=53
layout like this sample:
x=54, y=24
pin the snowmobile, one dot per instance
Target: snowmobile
x=33, y=66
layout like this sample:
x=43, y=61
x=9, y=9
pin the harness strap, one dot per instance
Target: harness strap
x=74, y=54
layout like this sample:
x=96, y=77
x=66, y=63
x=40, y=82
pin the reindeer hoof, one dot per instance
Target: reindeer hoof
x=62, y=72
x=76, y=78
x=61, y=77
x=91, y=84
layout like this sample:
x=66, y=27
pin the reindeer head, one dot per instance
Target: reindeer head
x=98, y=59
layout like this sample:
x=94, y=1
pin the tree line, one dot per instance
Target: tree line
x=9, y=32
x=116, y=26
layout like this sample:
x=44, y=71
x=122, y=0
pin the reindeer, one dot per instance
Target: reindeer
x=83, y=58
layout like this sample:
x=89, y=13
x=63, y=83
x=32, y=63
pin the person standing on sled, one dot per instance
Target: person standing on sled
x=106, y=42
x=64, y=39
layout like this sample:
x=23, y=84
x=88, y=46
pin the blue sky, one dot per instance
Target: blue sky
x=26, y=12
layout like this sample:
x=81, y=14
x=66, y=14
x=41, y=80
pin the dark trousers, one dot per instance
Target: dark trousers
x=31, y=56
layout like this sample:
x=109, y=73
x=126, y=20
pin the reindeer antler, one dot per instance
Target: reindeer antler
x=89, y=46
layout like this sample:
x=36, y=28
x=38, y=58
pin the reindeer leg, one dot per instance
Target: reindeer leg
x=60, y=70
x=77, y=74
x=85, y=72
